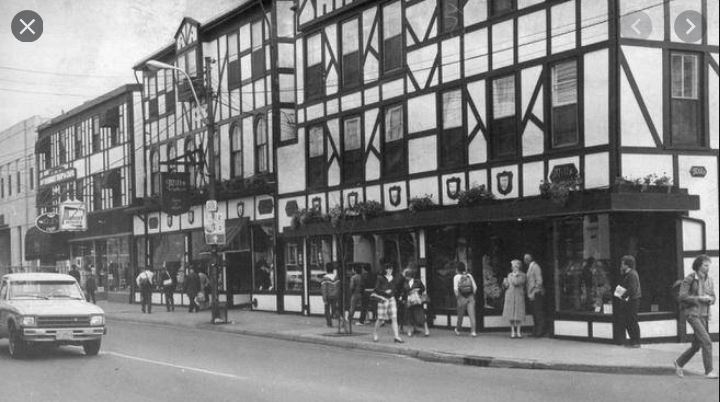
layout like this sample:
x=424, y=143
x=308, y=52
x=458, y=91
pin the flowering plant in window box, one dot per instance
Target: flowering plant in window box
x=306, y=216
x=559, y=192
x=368, y=209
x=422, y=203
x=475, y=195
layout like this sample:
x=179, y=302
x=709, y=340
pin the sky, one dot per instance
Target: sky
x=87, y=48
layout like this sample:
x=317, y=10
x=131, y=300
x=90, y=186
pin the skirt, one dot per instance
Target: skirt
x=416, y=315
x=388, y=310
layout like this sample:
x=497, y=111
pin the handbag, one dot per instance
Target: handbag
x=167, y=282
x=414, y=299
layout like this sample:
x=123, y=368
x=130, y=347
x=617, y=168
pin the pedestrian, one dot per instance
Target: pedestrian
x=400, y=297
x=205, y=288
x=415, y=313
x=330, y=291
x=356, y=294
x=90, y=286
x=144, y=282
x=74, y=273
x=384, y=292
x=696, y=297
x=514, y=306
x=168, y=285
x=629, y=292
x=536, y=294
x=191, y=288
x=464, y=287
x=368, y=305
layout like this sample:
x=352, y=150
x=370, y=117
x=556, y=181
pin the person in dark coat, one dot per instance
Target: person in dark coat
x=168, y=284
x=631, y=283
x=192, y=287
x=90, y=286
x=74, y=273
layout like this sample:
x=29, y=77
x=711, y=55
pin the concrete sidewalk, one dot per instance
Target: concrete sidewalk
x=486, y=350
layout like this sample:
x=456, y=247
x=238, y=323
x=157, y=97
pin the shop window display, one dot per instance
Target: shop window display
x=293, y=267
x=263, y=257
x=319, y=256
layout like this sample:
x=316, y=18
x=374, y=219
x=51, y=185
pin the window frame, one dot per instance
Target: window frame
x=493, y=152
x=316, y=171
x=355, y=82
x=353, y=166
x=492, y=12
x=701, y=139
x=236, y=153
x=443, y=16
x=452, y=157
x=313, y=92
x=261, y=147
x=551, y=118
x=400, y=53
x=398, y=145
x=154, y=173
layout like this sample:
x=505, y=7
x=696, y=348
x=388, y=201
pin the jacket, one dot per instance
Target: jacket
x=192, y=284
x=386, y=288
x=330, y=288
x=534, y=280
x=689, y=293
x=631, y=282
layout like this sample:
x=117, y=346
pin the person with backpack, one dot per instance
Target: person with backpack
x=695, y=297
x=330, y=291
x=465, y=288
x=144, y=282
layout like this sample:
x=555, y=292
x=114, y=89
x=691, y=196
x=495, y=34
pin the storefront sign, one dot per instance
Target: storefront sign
x=57, y=175
x=48, y=223
x=395, y=196
x=564, y=173
x=174, y=192
x=73, y=216
x=290, y=208
x=698, y=171
x=265, y=206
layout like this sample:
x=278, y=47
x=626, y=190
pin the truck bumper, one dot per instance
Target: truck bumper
x=63, y=335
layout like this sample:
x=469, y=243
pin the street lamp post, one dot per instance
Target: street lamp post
x=209, y=120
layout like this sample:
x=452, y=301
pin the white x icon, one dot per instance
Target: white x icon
x=27, y=26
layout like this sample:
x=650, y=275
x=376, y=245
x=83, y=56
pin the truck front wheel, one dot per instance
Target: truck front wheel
x=16, y=345
x=92, y=348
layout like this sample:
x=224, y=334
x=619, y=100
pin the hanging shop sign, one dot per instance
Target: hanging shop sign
x=174, y=192
x=73, y=216
x=48, y=223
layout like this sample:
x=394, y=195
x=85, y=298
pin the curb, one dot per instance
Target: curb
x=428, y=356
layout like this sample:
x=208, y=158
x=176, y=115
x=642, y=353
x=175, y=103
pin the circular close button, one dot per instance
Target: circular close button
x=27, y=26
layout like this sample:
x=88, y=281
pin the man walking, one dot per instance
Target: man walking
x=536, y=294
x=696, y=297
x=90, y=285
x=330, y=289
x=631, y=296
x=144, y=283
x=192, y=287
x=465, y=288
x=74, y=273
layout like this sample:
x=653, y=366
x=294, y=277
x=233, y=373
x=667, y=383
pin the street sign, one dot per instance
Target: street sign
x=211, y=205
x=214, y=227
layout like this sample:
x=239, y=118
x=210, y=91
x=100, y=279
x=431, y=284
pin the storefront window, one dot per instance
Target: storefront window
x=446, y=246
x=263, y=256
x=319, y=256
x=168, y=251
x=293, y=267
x=118, y=260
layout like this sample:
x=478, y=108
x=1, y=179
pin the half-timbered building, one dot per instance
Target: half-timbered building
x=242, y=62
x=87, y=155
x=576, y=130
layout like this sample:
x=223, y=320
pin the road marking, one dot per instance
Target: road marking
x=177, y=366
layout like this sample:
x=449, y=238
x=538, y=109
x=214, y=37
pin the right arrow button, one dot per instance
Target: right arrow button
x=689, y=26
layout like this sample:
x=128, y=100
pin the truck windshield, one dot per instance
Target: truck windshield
x=44, y=290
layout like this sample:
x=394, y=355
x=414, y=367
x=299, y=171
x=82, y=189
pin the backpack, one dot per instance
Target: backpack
x=465, y=286
x=675, y=290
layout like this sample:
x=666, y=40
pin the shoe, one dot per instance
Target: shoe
x=375, y=338
x=398, y=340
x=457, y=333
x=410, y=334
x=359, y=323
x=712, y=375
x=635, y=346
x=473, y=334
x=512, y=336
x=678, y=369
x=427, y=334
x=519, y=335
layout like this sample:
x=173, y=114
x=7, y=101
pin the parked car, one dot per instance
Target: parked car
x=48, y=308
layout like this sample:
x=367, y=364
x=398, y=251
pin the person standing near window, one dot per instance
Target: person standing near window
x=536, y=294
x=631, y=283
x=465, y=288
x=696, y=297
x=90, y=285
x=514, y=306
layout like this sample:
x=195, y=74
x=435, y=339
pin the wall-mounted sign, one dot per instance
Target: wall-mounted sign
x=505, y=182
x=452, y=187
x=214, y=227
x=57, y=175
x=240, y=209
x=395, y=195
x=564, y=173
x=698, y=171
x=48, y=223
x=73, y=216
x=316, y=204
x=291, y=207
x=352, y=199
x=174, y=192
x=153, y=223
x=265, y=206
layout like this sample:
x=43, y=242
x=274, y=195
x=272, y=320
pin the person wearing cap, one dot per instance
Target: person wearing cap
x=696, y=297
x=384, y=292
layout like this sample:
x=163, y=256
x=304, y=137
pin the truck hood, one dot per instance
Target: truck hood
x=55, y=307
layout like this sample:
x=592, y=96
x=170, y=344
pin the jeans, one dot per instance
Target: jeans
x=90, y=295
x=146, y=299
x=466, y=304
x=355, y=302
x=538, y=305
x=631, y=320
x=701, y=340
x=331, y=311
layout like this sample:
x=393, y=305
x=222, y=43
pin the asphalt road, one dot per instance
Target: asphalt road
x=141, y=362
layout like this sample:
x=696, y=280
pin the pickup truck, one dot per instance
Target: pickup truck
x=47, y=308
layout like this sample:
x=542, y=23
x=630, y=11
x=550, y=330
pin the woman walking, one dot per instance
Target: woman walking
x=415, y=314
x=514, y=307
x=387, y=306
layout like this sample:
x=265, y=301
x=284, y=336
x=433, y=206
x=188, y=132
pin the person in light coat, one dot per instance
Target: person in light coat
x=514, y=307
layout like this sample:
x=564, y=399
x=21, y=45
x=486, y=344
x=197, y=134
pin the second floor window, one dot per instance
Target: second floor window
x=236, y=151
x=394, y=161
x=352, y=157
x=258, y=52
x=155, y=173
x=78, y=142
x=452, y=139
x=96, y=138
x=171, y=155
x=261, y=146
x=564, y=104
x=686, y=116
x=317, y=173
x=503, y=125
x=192, y=159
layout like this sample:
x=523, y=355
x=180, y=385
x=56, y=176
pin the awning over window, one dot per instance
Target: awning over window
x=46, y=246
